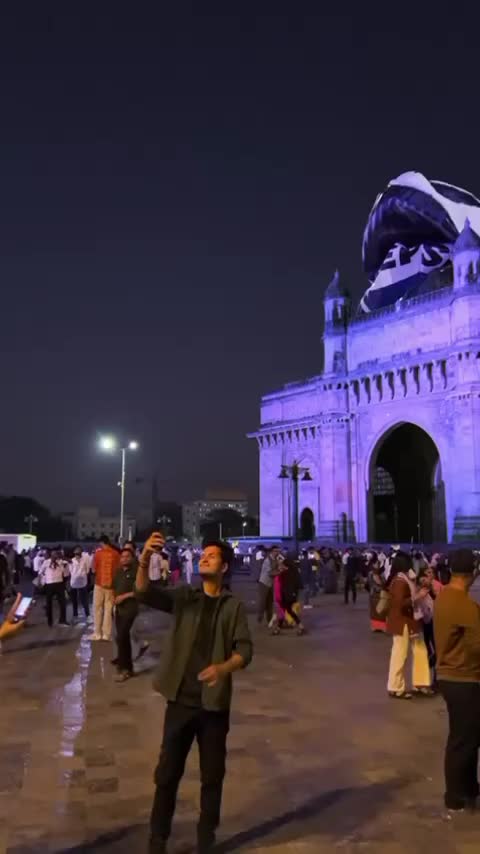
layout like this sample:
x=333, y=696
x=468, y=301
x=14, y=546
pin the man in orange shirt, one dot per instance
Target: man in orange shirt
x=105, y=564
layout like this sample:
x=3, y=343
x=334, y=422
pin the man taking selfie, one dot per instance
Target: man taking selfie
x=210, y=640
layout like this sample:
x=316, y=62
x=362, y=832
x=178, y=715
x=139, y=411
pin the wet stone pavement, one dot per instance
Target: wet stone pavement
x=320, y=759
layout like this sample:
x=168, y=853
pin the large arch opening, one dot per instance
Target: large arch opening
x=406, y=496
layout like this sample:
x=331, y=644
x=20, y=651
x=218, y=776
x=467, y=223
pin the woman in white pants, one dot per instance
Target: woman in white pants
x=404, y=622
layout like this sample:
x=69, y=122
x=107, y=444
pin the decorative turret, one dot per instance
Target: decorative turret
x=338, y=307
x=337, y=303
x=466, y=257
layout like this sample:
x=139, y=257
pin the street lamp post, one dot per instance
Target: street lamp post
x=109, y=444
x=31, y=519
x=294, y=473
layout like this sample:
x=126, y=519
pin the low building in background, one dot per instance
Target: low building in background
x=196, y=513
x=89, y=524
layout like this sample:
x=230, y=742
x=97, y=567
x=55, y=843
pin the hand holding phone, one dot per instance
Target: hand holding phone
x=22, y=608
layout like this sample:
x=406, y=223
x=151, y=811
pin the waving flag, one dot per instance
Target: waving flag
x=409, y=235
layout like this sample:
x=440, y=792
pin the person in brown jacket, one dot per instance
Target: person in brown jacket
x=404, y=622
x=456, y=625
x=105, y=564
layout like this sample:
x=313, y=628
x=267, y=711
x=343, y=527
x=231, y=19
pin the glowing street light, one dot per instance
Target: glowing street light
x=110, y=444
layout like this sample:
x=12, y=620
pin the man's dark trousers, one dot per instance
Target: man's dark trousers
x=350, y=585
x=265, y=602
x=182, y=726
x=125, y=615
x=56, y=590
x=82, y=595
x=461, y=755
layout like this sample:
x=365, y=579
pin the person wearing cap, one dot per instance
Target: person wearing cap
x=456, y=623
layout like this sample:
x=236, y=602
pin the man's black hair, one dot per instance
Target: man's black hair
x=462, y=562
x=105, y=540
x=402, y=562
x=225, y=549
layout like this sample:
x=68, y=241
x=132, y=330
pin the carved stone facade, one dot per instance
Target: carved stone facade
x=398, y=403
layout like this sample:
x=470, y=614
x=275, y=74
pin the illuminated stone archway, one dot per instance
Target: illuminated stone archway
x=406, y=495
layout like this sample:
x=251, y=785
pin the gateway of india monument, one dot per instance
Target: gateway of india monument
x=384, y=444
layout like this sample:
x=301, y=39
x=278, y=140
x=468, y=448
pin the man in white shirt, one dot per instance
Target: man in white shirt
x=79, y=569
x=53, y=572
x=38, y=561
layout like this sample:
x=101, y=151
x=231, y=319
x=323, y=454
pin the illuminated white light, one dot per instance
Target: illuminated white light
x=133, y=446
x=107, y=443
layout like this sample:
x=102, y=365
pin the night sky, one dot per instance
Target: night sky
x=178, y=185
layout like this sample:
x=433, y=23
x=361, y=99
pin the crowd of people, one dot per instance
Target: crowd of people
x=421, y=600
x=91, y=581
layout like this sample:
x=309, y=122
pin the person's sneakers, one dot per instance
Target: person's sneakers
x=93, y=637
x=105, y=638
x=424, y=691
x=469, y=806
x=400, y=695
x=301, y=631
x=123, y=676
x=450, y=814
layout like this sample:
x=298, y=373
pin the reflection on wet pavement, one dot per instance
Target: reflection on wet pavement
x=319, y=758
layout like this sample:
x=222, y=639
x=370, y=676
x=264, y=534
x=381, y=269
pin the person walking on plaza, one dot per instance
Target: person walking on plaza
x=210, y=641
x=79, y=569
x=456, y=623
x=306, y=574
x=53, y=572
x=352, y=570
x=404, y=622
x=265, y=585
x=126, y=611
x=105, y=564
x=290, y=586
